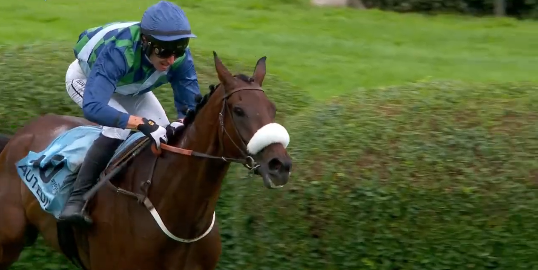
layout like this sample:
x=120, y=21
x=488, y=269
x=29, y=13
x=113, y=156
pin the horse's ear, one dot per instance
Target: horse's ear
x=222, y=72
x=259, y=71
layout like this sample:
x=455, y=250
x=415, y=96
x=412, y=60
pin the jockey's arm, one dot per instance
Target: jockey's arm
x=109, y=67
x=184, y=82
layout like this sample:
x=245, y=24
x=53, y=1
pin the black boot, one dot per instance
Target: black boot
x=95, y=162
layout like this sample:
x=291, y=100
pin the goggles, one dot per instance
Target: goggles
x=165, y=49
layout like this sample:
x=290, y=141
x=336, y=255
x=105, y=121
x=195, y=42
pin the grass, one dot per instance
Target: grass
x=326, y=51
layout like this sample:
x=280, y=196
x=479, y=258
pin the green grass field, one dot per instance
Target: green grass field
x=324, y=51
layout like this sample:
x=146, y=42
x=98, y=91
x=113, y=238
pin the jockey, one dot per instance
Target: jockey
x=117, y=67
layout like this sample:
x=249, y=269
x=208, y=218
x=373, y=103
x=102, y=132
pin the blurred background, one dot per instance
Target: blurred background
x=413, y=124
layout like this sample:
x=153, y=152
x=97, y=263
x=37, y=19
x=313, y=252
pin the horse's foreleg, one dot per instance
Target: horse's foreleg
x=12, y=232
x=15, y=228
x=13, y=223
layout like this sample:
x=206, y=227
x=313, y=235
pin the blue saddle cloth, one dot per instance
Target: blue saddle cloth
x=50, y=174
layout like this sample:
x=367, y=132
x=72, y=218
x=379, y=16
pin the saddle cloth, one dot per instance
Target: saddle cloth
x=50, y=174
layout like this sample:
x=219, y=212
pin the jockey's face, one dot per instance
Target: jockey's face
x=161, y=64
x=162, y=55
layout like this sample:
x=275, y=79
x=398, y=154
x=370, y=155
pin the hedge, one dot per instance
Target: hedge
x=523, y=9
x=424, y=176
x=438, y=175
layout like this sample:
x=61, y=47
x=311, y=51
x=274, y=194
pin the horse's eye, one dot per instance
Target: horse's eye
x=238, y=111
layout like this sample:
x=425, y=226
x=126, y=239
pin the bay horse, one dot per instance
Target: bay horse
x=234, y=122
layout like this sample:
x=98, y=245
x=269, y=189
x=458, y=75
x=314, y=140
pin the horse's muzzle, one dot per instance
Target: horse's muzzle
x=276, y=172
x=268, y=144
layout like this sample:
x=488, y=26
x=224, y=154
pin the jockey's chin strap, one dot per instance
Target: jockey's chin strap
x=247, y=161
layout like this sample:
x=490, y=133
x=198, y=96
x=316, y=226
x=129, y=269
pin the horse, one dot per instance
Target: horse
x=153, y=208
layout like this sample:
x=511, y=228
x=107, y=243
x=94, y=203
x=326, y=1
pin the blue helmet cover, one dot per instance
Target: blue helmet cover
x=166, y=21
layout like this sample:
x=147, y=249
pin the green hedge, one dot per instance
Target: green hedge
x=518, y=8
x=422, y=176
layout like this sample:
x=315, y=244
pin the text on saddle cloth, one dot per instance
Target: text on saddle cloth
x=50, y=174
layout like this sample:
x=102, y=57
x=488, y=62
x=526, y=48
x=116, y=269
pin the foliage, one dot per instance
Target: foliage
x=423, y=176
x=520, y=9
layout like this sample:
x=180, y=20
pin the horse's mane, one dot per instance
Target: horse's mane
x=201, y=101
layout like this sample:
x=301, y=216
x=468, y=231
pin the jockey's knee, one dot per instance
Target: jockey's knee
x=75, y=89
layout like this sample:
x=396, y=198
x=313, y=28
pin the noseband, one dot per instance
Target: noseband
x=247, y=160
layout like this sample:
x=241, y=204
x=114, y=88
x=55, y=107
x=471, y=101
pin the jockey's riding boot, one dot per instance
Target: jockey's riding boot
x=95, y=162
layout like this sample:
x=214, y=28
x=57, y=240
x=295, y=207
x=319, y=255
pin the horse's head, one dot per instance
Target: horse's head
x=247, y=127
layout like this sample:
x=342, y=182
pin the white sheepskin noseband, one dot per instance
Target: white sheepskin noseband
x=266, y=135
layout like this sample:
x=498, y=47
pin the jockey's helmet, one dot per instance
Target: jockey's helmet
x=166, y=30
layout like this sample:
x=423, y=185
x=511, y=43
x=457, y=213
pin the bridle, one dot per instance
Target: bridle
x=247, y=160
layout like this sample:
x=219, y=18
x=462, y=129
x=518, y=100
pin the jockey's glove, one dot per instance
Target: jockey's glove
x=153, y=131
x=177, y=124
x=175, y=127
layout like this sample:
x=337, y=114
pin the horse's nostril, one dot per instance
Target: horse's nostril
x=277, y=165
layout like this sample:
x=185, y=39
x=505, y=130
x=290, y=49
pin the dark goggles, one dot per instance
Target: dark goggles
x=165, y=49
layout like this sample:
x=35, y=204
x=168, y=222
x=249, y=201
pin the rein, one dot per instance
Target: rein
x=247, y=161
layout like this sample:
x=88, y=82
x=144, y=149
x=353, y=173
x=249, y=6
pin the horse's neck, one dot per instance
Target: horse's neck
x=187, y=187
